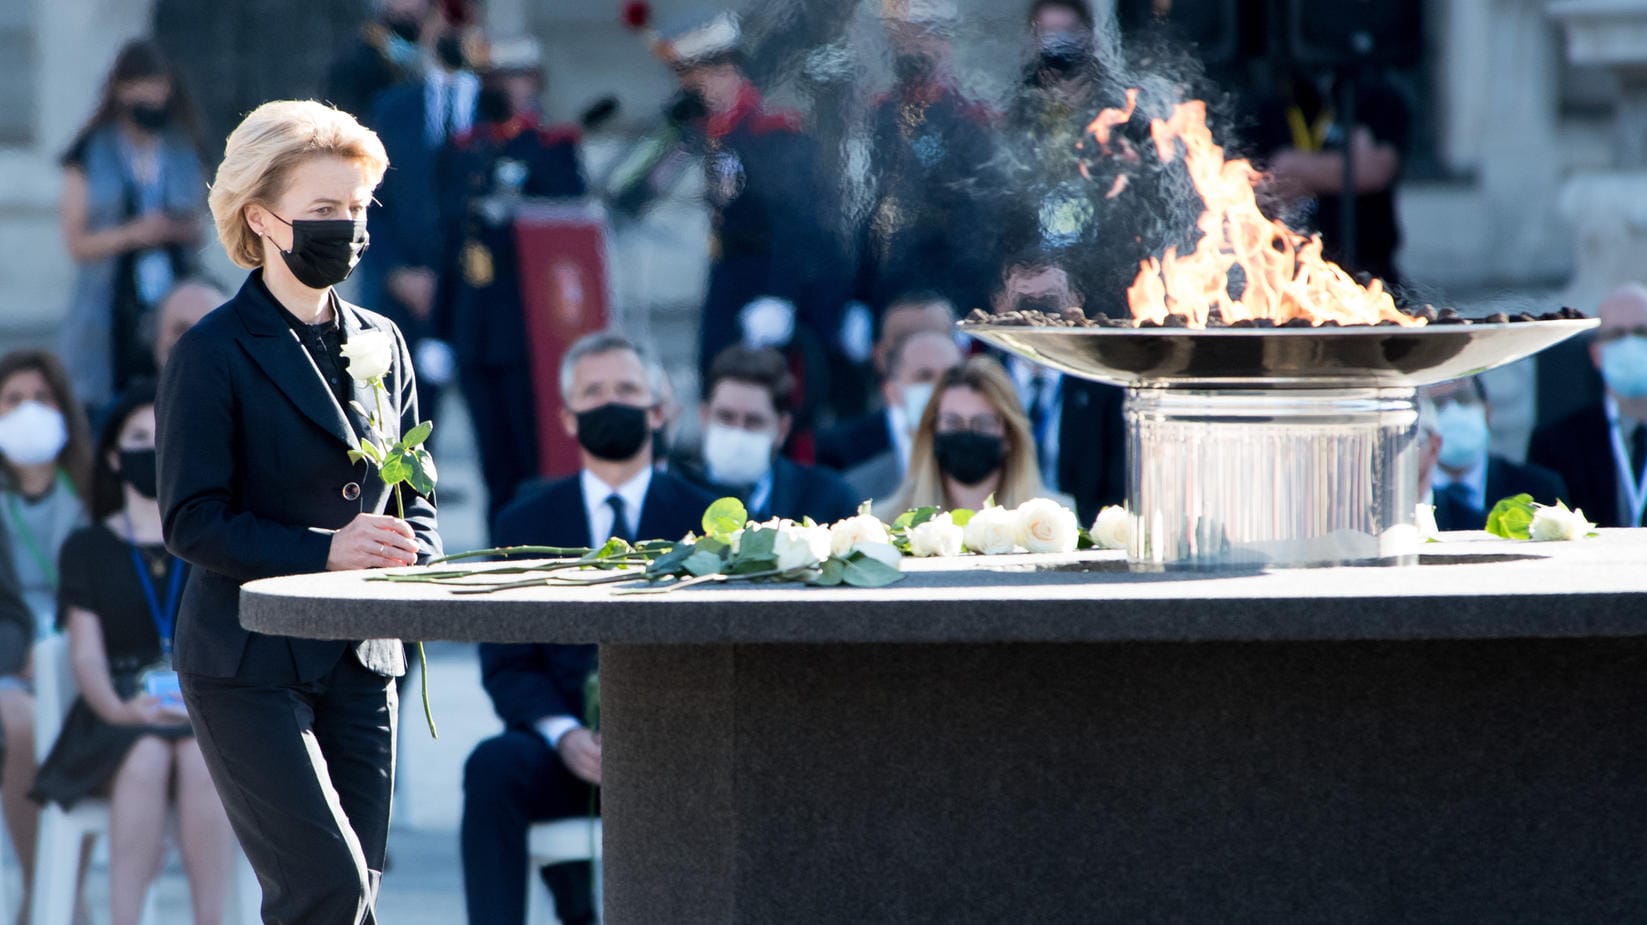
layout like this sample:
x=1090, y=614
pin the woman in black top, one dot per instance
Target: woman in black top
x=260, y=427
x=119, y=595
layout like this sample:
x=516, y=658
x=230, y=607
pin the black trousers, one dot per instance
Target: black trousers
x=509, y=782
x=305, y=771
x=503, y=412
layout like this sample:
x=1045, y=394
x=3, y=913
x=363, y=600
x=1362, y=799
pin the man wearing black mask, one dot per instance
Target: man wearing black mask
x=545, y=762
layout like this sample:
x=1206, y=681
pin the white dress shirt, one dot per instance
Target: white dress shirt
x=595, y=493
x=463, y=88
x=601, y=529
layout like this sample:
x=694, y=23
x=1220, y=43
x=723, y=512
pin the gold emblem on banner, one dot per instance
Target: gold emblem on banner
x=477, y=265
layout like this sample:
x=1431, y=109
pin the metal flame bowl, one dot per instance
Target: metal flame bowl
x=1274, y=447
x=1293, y=358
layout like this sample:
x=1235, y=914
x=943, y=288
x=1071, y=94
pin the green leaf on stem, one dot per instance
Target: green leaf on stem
x=393, y=470
x=417, y=435
x=702, y=562
x=1512, y=518
x=724, y=518
x=861, y=571
x=670, y=562
x=961, y=516
x=831, y=574
x=422, y=471
x=757, y=544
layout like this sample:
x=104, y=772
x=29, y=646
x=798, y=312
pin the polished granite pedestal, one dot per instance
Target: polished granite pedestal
x=1055, y=739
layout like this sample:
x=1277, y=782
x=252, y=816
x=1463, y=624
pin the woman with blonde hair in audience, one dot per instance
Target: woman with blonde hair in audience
x=45, y=463
x=127, y=736
x=973, y=443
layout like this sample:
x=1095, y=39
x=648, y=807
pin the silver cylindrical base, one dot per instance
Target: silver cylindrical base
x=1272, y=478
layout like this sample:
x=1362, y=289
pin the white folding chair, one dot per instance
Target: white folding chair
x=63, y=833
x=558, y=842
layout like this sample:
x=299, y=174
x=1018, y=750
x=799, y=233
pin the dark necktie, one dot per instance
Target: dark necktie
x=1462, y=501
x=1638, y=450
x=620, y=518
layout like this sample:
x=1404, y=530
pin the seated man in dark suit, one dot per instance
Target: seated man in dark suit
x=854, y=442
x=544, y=763
x=748, y=399
x=1601, y=451
x=1466, y=479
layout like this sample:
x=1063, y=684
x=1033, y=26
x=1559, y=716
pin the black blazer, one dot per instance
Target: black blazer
x=850, y=443
x=1579, y=448
x=1504, y=479
x=1092, y=446
x=255, y=474
x=530, y=681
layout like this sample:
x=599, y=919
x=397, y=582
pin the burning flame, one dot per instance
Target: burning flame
x=1283, y=275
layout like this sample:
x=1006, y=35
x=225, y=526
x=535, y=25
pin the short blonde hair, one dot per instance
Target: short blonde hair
x=260, y=155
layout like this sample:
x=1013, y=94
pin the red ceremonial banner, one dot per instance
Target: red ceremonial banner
x=564, y=285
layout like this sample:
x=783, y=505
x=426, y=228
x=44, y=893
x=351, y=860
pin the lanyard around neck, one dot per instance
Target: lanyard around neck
x=164, y=619
x=20, y=526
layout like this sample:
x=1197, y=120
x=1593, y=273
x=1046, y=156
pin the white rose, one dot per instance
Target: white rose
x=794, y=546
x=369, y=355
x=853, y=532
x=1558, y=523
x=992, y=531
x=1424, y=520
x=884, y=553
x=937, y=537
x=1113, y=528
x=1044, y=525
x=818, y=540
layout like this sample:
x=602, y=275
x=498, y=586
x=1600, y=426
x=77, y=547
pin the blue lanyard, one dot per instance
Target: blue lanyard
x=164, y=620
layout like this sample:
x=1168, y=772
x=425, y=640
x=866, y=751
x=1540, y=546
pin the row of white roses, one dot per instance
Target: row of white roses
x=1040, y=525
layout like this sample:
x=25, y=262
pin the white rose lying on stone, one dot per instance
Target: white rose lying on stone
x=793, y=547
x=992, y=531
x=1424, y=520
x=847, y=535
x=1559, y=523
x=937, y=537
x=369, y=355
x=1113, y=528
x=884, y=553
x=818, y=540
x=1045, y=526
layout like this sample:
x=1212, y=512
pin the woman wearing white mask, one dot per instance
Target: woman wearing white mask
x=45, y=461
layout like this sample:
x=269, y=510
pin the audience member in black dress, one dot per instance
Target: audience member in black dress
x=118, y=599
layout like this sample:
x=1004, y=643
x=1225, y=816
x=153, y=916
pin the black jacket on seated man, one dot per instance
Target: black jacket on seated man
x=1504, y=479
x=796, y=492
x=1579, y=448
x=855, y=442
x=516, y=778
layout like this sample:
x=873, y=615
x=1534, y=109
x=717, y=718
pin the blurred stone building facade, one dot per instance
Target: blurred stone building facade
x=1509, y=121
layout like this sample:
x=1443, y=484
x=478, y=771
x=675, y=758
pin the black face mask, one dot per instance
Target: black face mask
x=407, y=27
x=324, y=251
x=614, y=431
x=148, y=116
x=137, y=469
x=449, y=51
x=968, y=457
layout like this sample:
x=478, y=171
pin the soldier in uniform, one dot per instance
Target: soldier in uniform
x=776, y=277
x=927, y=226
x=510, y=154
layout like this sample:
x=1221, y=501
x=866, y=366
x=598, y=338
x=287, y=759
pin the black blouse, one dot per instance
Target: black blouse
x=98, y=575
